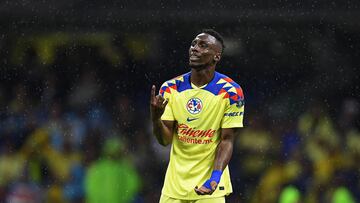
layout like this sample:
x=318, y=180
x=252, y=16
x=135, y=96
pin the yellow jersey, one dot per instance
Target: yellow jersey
x=199, y=113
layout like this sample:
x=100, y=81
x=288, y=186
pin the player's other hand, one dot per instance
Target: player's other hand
x=157, y=104
x=206, y=191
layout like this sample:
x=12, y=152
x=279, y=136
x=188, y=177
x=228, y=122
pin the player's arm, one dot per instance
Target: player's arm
x=222, y=158
x=163, y=130
x=225, y=148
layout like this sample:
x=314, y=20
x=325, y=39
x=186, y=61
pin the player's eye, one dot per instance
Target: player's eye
x=203, y=45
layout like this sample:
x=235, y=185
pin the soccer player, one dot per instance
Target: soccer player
x=198, y=113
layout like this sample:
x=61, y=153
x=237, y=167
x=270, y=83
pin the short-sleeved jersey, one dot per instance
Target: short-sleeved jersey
x=200, y=114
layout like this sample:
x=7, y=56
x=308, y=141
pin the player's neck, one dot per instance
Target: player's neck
x=203, y=76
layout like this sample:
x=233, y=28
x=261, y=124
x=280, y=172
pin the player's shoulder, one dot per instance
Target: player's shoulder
x=177, y=84
x=222, y=78
x=228, y=88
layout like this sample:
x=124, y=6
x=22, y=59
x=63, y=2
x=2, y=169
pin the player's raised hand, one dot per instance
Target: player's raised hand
x=157, y=104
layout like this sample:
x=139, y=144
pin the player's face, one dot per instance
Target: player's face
x=204, y=51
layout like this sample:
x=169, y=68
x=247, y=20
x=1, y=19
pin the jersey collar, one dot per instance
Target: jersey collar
x=206, y=86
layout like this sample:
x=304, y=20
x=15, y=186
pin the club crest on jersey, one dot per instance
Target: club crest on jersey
x=194, y=106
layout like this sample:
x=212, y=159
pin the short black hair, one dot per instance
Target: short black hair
x=215, y=34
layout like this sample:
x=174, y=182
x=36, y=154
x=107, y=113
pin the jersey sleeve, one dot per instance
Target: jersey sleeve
x=166, y=93
x=234, y=112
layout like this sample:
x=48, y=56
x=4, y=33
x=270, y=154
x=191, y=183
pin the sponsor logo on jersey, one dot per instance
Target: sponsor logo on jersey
x=191, y=119
x=184, y=129
x=233, y=114
x=194, y=106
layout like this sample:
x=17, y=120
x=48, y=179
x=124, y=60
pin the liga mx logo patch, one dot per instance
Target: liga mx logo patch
x=194, y=106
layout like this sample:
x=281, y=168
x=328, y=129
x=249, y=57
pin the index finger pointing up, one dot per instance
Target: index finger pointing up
x=153, y=88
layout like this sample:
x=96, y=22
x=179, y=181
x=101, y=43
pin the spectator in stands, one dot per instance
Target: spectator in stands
x=112, y=178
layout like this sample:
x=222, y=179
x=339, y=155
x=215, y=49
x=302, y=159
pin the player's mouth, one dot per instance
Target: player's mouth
x=194, y=58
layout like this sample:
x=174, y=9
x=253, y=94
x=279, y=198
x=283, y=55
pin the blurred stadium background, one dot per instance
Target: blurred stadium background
x=76, y=77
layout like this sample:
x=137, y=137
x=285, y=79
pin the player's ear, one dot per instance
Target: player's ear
x=217, y=57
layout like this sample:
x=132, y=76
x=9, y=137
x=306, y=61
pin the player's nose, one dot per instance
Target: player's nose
x=194, y=48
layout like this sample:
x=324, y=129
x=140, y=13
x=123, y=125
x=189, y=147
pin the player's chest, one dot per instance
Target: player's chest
x=196, y=105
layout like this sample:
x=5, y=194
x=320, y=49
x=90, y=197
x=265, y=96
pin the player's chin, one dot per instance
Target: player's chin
x=196, y=65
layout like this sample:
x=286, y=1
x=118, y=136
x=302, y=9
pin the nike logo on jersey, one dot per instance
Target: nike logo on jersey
x=191, y=119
